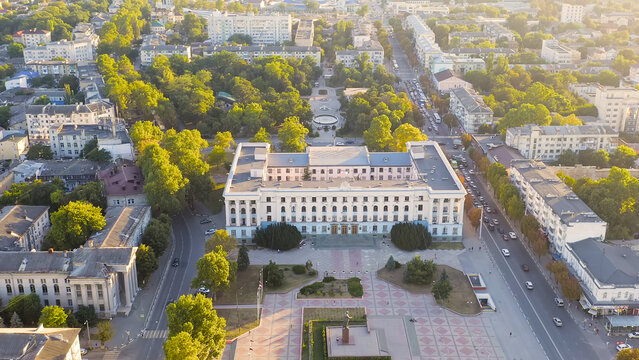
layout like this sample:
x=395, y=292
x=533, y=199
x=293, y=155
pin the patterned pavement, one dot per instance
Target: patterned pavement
x=440, y=334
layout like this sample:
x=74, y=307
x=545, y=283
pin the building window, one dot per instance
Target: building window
x=100, y=295
x=46, y=302
x=20, y=289
x=9, y=290
x=78, y=292
x=57, y=302
x=101, y=307
x=68, y=290
x=89, y=292
x=70, y=303
x=45, y=290
x=56, y=289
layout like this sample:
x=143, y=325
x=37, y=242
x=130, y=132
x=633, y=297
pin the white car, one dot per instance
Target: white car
x=512, y=235
x=210, y=231
x=557, y=322
x=529, y=285
x=506, y=252
x=634, y=335
x=623, y=346
x=83, y=351
x=203, y=290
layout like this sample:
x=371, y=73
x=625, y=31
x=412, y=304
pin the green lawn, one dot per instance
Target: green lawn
x=446, y=245
x=244, y=286
x=215, y=201
x=238, y=321
x=291, y=280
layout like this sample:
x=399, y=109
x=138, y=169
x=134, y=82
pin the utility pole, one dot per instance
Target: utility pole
x=86, y=322
x=260, y=290
x=481, y=220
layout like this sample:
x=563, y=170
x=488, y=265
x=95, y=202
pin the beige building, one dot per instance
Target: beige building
x=105, y=278
x=76, y=50
x=572, y=13
x=124, y=227
x=123, y=185
x=53, y=67
x=470, y=109
x=251, y=52
x=23, y=227
x=555, y=53
x=613, y=105
x=305, y=33
x=13, y=144
x=40, y=118
x=148, y=52
x=263, y=28
x=40, y=343
x=373, y=49
x=32, y=37
x=67, y=141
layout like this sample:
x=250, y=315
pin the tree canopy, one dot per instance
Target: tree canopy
x=73, y=224
x=53, y=317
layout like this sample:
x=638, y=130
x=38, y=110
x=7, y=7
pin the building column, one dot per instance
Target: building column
x=127, y=290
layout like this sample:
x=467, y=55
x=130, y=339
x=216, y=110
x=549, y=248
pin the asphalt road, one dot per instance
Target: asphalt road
x=537, y=305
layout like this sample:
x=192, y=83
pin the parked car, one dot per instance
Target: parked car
x=203, y=290
x=505, y=237
x=210, y=231
x=623, y=346
x=176, y=262
x=524, y=267
x=206, y=221
x=491, y=227
x=506, y=252
x=495, y=222
x=83, y=351
x=486, y=219
x=500, y=229
x=529, y=285
x=489, y=209
x=560, y=302
x=557, y=322
x=512, y=235
x=634, y=335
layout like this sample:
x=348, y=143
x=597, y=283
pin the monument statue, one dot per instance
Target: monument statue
x=347, y=319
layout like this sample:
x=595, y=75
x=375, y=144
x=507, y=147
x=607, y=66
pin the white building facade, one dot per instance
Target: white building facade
x=263, y=29
x=348, y=190
x=23, y=227
x=373, y=49
x=555, y=53
x=613, y=105
x=76, y=50
x=425, y=45
x=470, y=109
x=40, y=118
x=251, y=52
x=149, y=52
x=572, y=13
x=547, y=143
x=32, y=37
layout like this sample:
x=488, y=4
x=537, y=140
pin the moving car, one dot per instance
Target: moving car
x=559, y=302
x=524, y=267
x=505, y=237
x=506, y=252
x=176, y=262
x=491, y=227
x=512, y=235
x=529, y=285
x=203, y=290
x=623, y=346
x=206, y=221
x=210, y=231
x=557, y=322
x=634, y=335
x=83, y=351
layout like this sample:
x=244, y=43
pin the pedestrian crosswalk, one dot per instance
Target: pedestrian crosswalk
x=111, y=355
x=155, y=334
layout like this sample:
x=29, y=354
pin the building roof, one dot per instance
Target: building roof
x=337, y=155
x=609, y=264
x=472, y=103
x=67, y=110
x=121, y=223
x=180, y=48
x=623, y=320
x=561, y=199
x=478, y=51
x=31, y=32
x=15, y=221
x=12, y=137
x=564, y=130
x=256, y=48
x=125, y=179
x=75, y=167
x=37, y=343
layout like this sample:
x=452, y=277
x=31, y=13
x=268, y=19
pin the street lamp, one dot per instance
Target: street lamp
x=86, y=322
x=481, y=220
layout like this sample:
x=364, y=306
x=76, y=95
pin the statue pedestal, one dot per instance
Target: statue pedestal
x=345, y=336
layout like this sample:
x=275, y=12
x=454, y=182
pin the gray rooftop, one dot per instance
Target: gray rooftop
x=121, y=223
x=610, y=264
x=69, y=167
x=444, y=75
x=563, y=201
x=338, y=155
x=52, y=109
x=566, y=130
x=36, y=343
x=458, y=51
x=15, y=220
x=164, y=48
x=472, y=103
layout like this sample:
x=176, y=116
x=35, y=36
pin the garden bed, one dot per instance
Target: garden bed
x=291, y=280
x=332, y=288
x=320, y=318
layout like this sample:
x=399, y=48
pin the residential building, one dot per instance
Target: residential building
x=104, y=278
x=305, y=33
x=40, y=118
x=76, y=50
x=607, y=274
x=165, y=4
x=425, y=45
x=57, y=68
x=98, y=20
x=418, y=6
x=362, y=33
x=587, y=91
x=263, y=29
x=67, y=141
x=148, y=52
x=84, y=31
x=562, y=215
x=470, y=109
x=13, y=144
x=18, y=82
x=123, y=185
x=350, y=191
x=40, y=343
x=547, y=143
x=446, y=80
x=497, y=31
x=373, y=49
x=27, y=170
x=441, y=62
x=71, y=172
x=125, y=226
x=55, y=96
x=613, y=104
x=481, y=53
x=23, y=227
x=32, y=37
x=633, y=76
x=463, y=65
x=601, y=54
x=251, y=52
x=553, y=52
x=157, y=27
x=469, y=37
x=572, y=13
x=618, y=18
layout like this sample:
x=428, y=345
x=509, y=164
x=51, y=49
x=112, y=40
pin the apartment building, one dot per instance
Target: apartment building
x=23, y=227
x=124, y=227
x=613, y=106
x=40, y=118
x=57, y=68
x=425, y=45
x=446, y=80
x=263, y=29
x=553, y=52
x=572, y=13
x=373, y=49
x=105, y=278
x=362, y=33
x=123, y=185
x=149, y=52
x=67, y=141
x=417, y=6
x=13, y=144
x=496, y=31
x=481, y=53
x=547, y=143
x=84, y=31
x=466, y=37
x=32, y=37
x=40, y=343
x=562, y=215
x=305, y=33
x=251, y=52
x=76, y=50
x=350, y=191
x=470, y=109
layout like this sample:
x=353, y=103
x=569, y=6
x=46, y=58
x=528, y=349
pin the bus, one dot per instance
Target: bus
x=438, y=120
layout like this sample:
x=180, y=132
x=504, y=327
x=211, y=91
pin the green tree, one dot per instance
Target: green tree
x=261, y=136
x=146, y=263
x=73, y=224
x=220, y=238
x=568, y=158
x=623, y=157
x=42, y=100
x=182, y=347
x=419, y=271
x=53, y=317
x=442, y=289
x=628, y=354
x=410, y=236
x=105, y=331
x=15, y=50
x=224, y=140
x=466, y=140
x=292, y=134
x=16, y=322
x=378, y=137
x=240, y=39
x=519, y=23
x=164, y=182
x=93, y=153
x=157, y=236
x=39, y=151
x=525, y=114
x=86, y=314
x=273, y=275
x=405, y=133
x=243, y=260
x=144, y=133
x=5, y=116
x=363, y=10
x=212, y=271
x=475, y=217
x=280, y=236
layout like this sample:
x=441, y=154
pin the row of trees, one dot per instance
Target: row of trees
x=155, y=241
x=364, y=74
x=506, y=192
x=125, y=27
x=623, y=157
x=339, y=37
x=405, y=39
x=382, y=37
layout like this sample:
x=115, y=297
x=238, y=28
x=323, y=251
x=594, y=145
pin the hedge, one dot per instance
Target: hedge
x=312, y=288
x=410, y=236
x=299, y=269
x=355, y=287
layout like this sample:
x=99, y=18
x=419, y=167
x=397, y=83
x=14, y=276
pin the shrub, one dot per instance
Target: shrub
x=280, y=236
x=312, y=288
x=312, y=272
x=442, y=289
x=419, y=271
x=328, y=279
x=299, y=269
x=410, y=236
x=273, y=275
x=355, y=287
x=392, y=264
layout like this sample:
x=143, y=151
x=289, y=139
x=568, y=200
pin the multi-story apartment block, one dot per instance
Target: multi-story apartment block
x=305, y=33
x=547, y=143
x=13, y=144
x=417, y=6
x=32, y=37
x=553, y=52
x=469, y=36
x=23, y=227
x=348, y=190
x=481, y=53
x=498, y=31
x=562, y=215
x=470, y=109
x=572, y=13
x=445, y=81
x=148, y=52
x=57, y=68
x=263, y=29
x=373, y=49
x=613, y=105
x=76, y=50
x=104, y=278
x=67, y=141
x=40, y=118
x=251, y=52
x=84, y=31
x=124, y=227
x=362, y=33
x=425, y=45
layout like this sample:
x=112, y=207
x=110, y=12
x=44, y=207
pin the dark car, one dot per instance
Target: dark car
x=524, y=267
x=486, y=219
x=205, y=221
x=491, y=227
x=505, y=237
x=176, y=262
x=500, y=229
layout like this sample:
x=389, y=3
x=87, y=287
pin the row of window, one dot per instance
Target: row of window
x=346, y=199
x=336, y=171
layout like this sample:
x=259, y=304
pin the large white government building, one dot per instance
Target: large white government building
x=343, y=190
